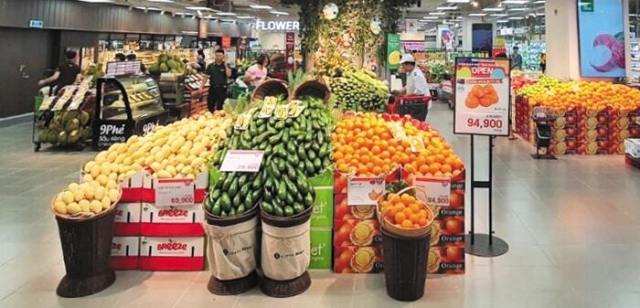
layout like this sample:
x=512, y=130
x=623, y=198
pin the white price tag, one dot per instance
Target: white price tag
x=242, y=161
x=174, y=192
x=364, y=190
x=438, y=190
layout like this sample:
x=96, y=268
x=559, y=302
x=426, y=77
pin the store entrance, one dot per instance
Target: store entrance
x=29, y=50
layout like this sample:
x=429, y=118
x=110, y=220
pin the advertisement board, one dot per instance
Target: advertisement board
x=393, y=51
x=601, y=38
x=482, y=95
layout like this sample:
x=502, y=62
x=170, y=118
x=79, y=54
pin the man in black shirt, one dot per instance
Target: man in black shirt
x=66, y=74
x=133, y=57
x=219, y=72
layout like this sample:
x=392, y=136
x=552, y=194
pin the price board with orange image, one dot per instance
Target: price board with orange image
x=482, y=94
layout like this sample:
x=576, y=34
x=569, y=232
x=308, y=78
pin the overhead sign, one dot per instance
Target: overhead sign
x=277, y=25
x=601, y=37
x=36, y=23
x=482, y=94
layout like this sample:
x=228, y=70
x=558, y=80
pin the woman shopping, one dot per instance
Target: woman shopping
x=257, y=73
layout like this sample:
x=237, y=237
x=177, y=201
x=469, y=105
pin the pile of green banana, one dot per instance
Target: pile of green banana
x=296, y=148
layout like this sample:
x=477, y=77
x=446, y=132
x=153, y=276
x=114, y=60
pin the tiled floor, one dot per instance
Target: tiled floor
x=573, y=226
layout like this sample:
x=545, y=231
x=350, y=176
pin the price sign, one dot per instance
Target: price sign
x=174, y=192
x=438, y=190
x=242, y=161
x=282, y=112
x=482, y=94
x=364, y=190
x=417, y=144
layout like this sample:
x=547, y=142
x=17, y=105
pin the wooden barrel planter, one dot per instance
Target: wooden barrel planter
x=312, y=88
x=270, y=87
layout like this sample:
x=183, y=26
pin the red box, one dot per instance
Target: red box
x=356, y=232
x=172, y=221
x=128, y=217
x=125, y=253
x=351, y=259
x=172, y=253
x=343, y=211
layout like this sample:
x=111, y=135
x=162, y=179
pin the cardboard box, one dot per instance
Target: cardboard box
x=632, y=147
x=200, y=187
x=350, y=259
x=125, y=253
x=172, y=221
x=321, y=249
x=127, y=220
x=322, y=216
x=343, y=211
x=355, y=232
x=172, y=253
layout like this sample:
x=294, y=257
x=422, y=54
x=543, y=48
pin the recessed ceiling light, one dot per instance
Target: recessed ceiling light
x=430, y=17
x=498, y=15
x=493, y=9
x=260, y=7
x=244, y=17
x=478, y=14
x=515, y=1
x=518, y=9
x=162, y=1
x=516, y=18
x=437, y=13
x=278, y=12
x=501, y=21
x=226, y=14
x=97, y=1
x=447, y=8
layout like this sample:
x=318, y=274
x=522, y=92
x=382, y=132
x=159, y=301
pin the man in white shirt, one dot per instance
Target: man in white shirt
x=416, y=82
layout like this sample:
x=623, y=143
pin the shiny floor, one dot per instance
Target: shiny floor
x=573, y=227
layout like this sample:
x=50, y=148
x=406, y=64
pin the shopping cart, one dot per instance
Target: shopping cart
x=543, y=117
x=415, y=106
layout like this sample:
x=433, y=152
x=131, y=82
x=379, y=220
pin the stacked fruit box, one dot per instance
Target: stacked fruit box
x=634, y=123
x=618, y=130
x=565, y=132
x=357, y=241
x=322, y=222
x=523, y=123
x=593, y=130
x=158, y=224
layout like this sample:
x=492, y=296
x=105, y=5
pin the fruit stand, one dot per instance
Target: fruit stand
x=592, y=118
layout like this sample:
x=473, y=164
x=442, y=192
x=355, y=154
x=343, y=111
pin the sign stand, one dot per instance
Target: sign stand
x=482, y=92
x=477, y=244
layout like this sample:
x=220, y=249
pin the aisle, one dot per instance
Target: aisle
x=573, y=226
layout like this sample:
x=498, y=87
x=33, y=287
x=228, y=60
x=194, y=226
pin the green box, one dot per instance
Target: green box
x=321, y=249
x=323, y=180
x=322, y=216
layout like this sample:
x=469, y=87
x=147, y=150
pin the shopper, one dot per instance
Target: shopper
x=132, y=57
x=543, y=62
x=120, y=57
x=66, y=74
x=202, y=63
x=516, y=59
x=416, y=82
x=219, y=72
x=257, y=73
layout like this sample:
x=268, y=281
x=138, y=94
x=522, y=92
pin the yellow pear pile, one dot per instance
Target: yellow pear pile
x=177, y=150
x=87, y=198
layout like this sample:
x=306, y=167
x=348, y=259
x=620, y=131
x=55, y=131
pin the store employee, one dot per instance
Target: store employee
x=67, y=74
x=219, y=72
x=416, y=82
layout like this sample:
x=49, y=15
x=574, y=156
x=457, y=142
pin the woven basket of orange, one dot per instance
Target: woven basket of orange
x=403, y=213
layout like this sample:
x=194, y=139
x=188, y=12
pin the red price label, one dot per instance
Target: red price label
x=174, y=192
x=438, y=190
x=484, y=123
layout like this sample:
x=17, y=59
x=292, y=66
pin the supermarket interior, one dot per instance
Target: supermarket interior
x=285, y=153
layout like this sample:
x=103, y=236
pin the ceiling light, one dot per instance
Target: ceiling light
x=437, y=13
x=163, y=1
x=447, y=8
x=516, y=18
x=518, y=9
x=199, y=8
x=493, y=9
x=538, y=2
x=430, y=17
x=244, y=17
x=458, y=1
x=141, y=8
x=515, y=1
x=153, y=9
x=501, y=21
x=274, y=12
x=228, y=20
x=226, y=14
x=97, y=1
x=478, y=14
x=260, y=7
x=475, y=3
x=499, y=15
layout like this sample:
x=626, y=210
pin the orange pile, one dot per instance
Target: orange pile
x=363, y=144
x=484, y=96
x=405, y=211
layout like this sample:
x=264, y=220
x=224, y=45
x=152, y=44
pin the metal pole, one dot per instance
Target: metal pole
x=472, y=231
x=490, y=191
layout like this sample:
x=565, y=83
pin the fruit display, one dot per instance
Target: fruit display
x=435, y=69
x=360, y=90
x=177, y=150
x=170, y=64
x=519, y=79
x=481, y=96
x=363, y=144
x=87, y=199
x=591, y=117
x=67, y=128
x=333, y=65
x=296, y=147
x=405, y=211
x=95, y=70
